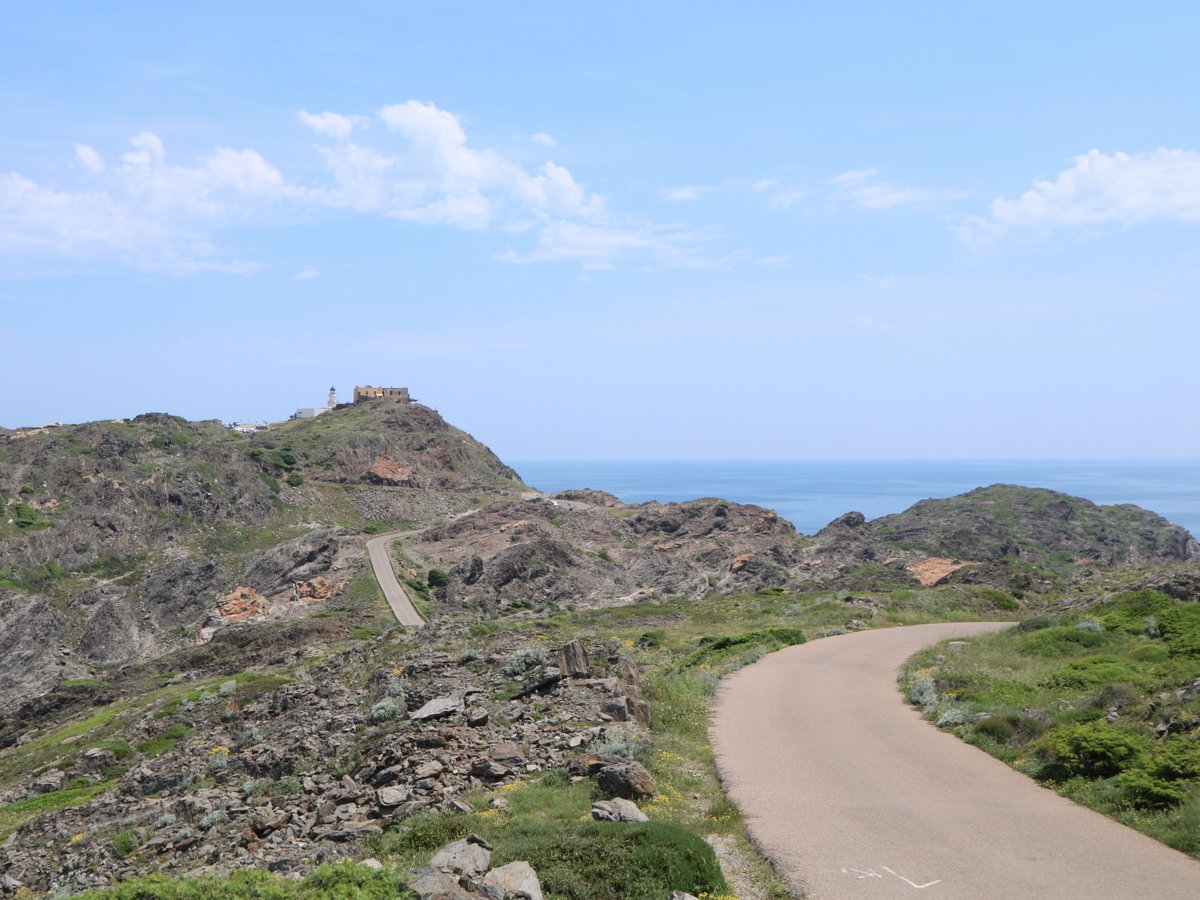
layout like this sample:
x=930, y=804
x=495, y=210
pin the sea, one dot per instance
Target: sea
x=812, y=493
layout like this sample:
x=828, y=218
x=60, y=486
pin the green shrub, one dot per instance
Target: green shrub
x=294, y=480
x=1128, y=612
x=769, y=639
x=997, y=599
x=998, y=728
x=437, y=579
x=1176, y=760
x=1035, y=623
x=1059, y=641
x=1140, y=788
x=1092, y=750
x=27, y=518
x=387, y=709
x=1095, y=672
x=586, y=860
x=126, y=842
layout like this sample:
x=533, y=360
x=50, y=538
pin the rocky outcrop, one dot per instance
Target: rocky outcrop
x=390, y=473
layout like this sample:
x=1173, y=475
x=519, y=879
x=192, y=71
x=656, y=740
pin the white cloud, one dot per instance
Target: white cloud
x=862, y=188
x=773, y=260
x=331, y=124
x=1098, y=189
x=687, y=192
x=600, y=246
x=147, y=211
x=787, y=198
x=308, y=274
x=91, y=160
x=544, y=139
x=763, y=184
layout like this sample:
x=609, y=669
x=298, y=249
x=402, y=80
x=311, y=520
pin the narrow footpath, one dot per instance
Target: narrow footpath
x=397, y=597
x=852, y=794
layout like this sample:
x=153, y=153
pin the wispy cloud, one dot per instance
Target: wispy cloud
x=1098, y=190
x=688, y=192
x=863, y=188
x=331, y=124
x=414, y=163
x=787, y=198
x=870, y=323
x=308, y=274
x=544, y=139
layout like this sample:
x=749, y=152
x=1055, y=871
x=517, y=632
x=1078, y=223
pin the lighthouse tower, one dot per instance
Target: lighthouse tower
x=332, y=398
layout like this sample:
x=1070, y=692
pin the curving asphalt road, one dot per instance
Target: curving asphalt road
x=851, y=794
x=397, y=597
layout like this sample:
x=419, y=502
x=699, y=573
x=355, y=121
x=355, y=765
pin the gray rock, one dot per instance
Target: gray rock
x=392, y=796
x=437, y=708
x=618, y=810
x=433, y=885
x=630, y=781
x=540, y=679
x=573, y=661
x=48, y=781
x=517, y=880
x=470, y=857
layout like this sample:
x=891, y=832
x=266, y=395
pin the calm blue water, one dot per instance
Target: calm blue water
x=811, y=493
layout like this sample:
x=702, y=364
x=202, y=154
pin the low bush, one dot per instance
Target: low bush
x=1091, y=750
x=1059, y=641
x=1141, y=789
x=1095, y=672
x=605, y=859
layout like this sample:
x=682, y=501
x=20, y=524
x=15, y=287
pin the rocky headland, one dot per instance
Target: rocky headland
x=197, y=671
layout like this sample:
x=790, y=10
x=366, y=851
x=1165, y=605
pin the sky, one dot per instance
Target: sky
x=613, y=231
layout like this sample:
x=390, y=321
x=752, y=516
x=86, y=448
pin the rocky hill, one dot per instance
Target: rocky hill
x=197, y=670
x=120, y=538
x=1018, y=538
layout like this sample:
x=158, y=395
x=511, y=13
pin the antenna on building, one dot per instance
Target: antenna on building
x=332, y=398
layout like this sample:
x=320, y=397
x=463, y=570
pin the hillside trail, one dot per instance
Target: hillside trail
x=850, y=793
x=394, y=592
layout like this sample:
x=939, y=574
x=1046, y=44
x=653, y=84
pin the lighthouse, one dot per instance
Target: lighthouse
x=332, y=398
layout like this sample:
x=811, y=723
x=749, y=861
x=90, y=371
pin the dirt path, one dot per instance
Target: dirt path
x=397, y=597
x=851, y=794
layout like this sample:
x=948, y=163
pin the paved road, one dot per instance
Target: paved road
x=852, y=794
x=397, y=597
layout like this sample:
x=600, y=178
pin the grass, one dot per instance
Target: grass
x=1064, y=699
x=13, y=814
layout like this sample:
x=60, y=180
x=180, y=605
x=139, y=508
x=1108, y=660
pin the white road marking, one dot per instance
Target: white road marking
x=871, y=873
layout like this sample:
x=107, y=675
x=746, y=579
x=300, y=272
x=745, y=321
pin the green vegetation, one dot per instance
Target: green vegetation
x=344, y=880
x=1093, y=706
x=27, y=518
x=13, y=814
x=547, y=822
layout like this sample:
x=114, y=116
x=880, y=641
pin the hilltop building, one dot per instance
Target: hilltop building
x=312, y=412
x=367, y=392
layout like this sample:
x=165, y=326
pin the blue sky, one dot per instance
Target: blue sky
x=689, y=231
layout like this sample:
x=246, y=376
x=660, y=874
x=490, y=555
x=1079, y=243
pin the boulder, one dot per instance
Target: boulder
x=617, y=810
x=540, y=679
x=469, y=857
x=437, y=708
x=430, y=884
x=517, y=880
x=48, y=781
x=573, y=661
x=392, y=796
x=630, y=781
